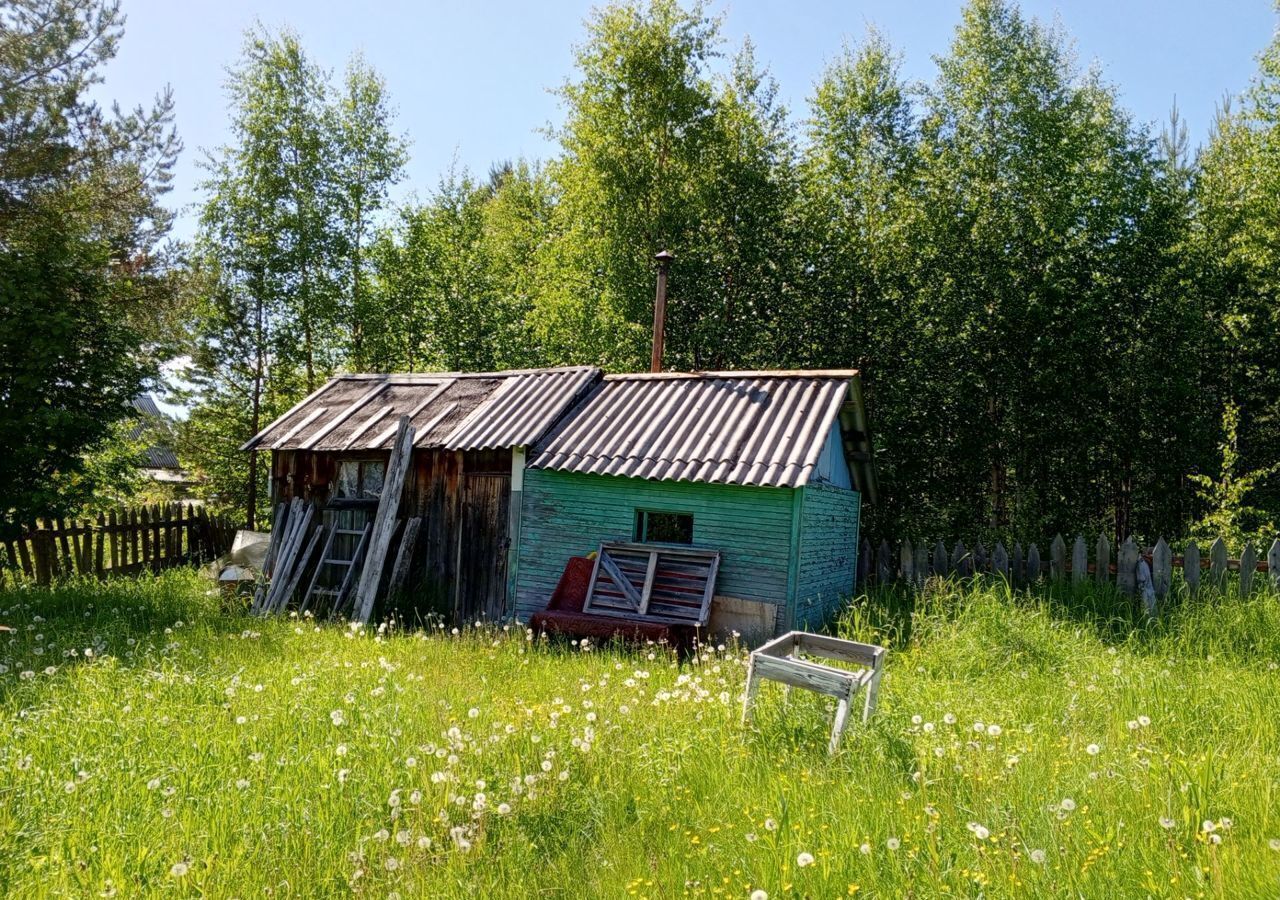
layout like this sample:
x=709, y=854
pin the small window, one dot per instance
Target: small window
x=360, y=479
x=653, y=527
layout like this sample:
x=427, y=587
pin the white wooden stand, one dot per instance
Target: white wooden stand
x=781, y=660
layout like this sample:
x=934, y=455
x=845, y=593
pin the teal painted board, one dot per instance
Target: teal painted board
x=568, y=514
x=828, y=553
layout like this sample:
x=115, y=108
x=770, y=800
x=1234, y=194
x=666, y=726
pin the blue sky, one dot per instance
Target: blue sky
x=471, y=80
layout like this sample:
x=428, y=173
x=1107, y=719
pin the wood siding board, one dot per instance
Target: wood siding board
x=568, y=514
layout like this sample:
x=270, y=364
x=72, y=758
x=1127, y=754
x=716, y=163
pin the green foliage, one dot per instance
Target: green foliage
x=1226, y=498
x=1049, y=302
x=1024, y=745
x=85, y=281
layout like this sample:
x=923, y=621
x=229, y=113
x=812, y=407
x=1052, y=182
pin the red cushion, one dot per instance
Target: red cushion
x=571, y=591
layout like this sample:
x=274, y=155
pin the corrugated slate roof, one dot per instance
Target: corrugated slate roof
x=155, y=457
x=457, y=411
x=752, y=428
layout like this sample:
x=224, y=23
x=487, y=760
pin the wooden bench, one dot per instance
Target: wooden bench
x=637, y=591
x=782, y=660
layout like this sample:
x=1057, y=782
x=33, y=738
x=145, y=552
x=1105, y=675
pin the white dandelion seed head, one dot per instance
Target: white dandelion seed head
x=893, y=843
x=1167, y=823
x=1093, y=749
x=179, y=869
x=1037, y=856
x=1067, y=804
x=804, y=860
x=759, y=895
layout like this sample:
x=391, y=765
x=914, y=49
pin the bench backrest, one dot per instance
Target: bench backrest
x=657, y=582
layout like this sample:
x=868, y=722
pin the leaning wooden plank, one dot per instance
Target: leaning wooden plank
x=277, y=525
x=284, y=558
x=300, y=568
x=289, y=563
x=385, y=521
x=404, y=556
x=623, y=583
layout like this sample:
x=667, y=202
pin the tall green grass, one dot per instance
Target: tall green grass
x=1048, y=745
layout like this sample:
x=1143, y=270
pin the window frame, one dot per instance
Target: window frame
x=641, y=526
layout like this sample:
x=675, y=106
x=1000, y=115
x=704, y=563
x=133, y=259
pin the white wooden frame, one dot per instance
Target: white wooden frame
x=641, y=599
x=780, y=660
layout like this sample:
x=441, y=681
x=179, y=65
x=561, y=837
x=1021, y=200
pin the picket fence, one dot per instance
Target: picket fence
x=124, y=541
x=903, y=562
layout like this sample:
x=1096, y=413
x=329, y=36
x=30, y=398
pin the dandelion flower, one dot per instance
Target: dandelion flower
x=759, y=895
x=770, y=825
x=1144, y=721
x=865, y=849
x=981, y=832
x=949, y=718
x=242, y=783
x=1207, y=826
x=804, y=859
x=1274, y=844
x=178, y=869
x=1093, y=749
x=1067, y=804
x=392, y=864
x=893, y=843
x=1167, y=823
x=1037, y=856
x=994, y=730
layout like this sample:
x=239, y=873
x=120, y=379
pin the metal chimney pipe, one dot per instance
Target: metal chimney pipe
x=660, y=309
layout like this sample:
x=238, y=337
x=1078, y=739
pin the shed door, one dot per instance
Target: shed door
x=482, y=547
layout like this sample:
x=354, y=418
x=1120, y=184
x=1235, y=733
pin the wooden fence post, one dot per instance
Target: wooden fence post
x=1079, y=560
x=1273, y=563
x=1033, y=564
x=922, y=562
x=961, y=562
x=907, y=562
x=1102, y=552
x=1057, y=558
x=864, y=561
x=979, y=558
x=1017, y=568
x=1191, y=567
x=1126, y=567
x=884, y=563
x=1000, y=561
x=940, y=567
x=1218, y=564
x=1161, y=568
x=1248, y=565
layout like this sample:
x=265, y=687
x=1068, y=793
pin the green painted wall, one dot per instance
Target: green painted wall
x=565, y=514
x=827, y=562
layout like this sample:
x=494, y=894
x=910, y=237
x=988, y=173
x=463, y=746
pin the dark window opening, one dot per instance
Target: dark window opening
x=360, y=479
x=654, y=527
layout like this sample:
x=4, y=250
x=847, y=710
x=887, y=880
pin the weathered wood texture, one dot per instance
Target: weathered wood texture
x=1213, y=570
x=121, y=542
x=794, y=549
x=783, y=660
x=384, y=523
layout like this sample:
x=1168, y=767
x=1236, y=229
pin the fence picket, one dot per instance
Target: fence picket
x=979, y=558
x=1017, y=567
x=1000, y=561
x=907, y=562
x=1273, y=563
x=884, y=563
x=1248, y=565
x=940, y=564
x=922, y=562
x=1102, y=558
x=1057, y=558
x=1033, y=564
x=1218, y=563
x=1191, y=567
x=1161, y=568
x=961, y=562
x=1127, y=567
x=1079, y=560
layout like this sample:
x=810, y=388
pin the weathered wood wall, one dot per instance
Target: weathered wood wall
x=827, y=556
x=777, y=544
x=459, y=558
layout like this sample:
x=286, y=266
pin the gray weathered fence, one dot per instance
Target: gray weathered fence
x=120, y=542
x=911, y=564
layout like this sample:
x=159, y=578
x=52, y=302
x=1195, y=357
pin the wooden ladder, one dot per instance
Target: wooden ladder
x=335, y=598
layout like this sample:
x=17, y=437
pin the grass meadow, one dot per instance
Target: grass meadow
x=152, y=744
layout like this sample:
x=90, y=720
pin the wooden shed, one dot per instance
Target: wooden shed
x=331, y=450
x=768, y=468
